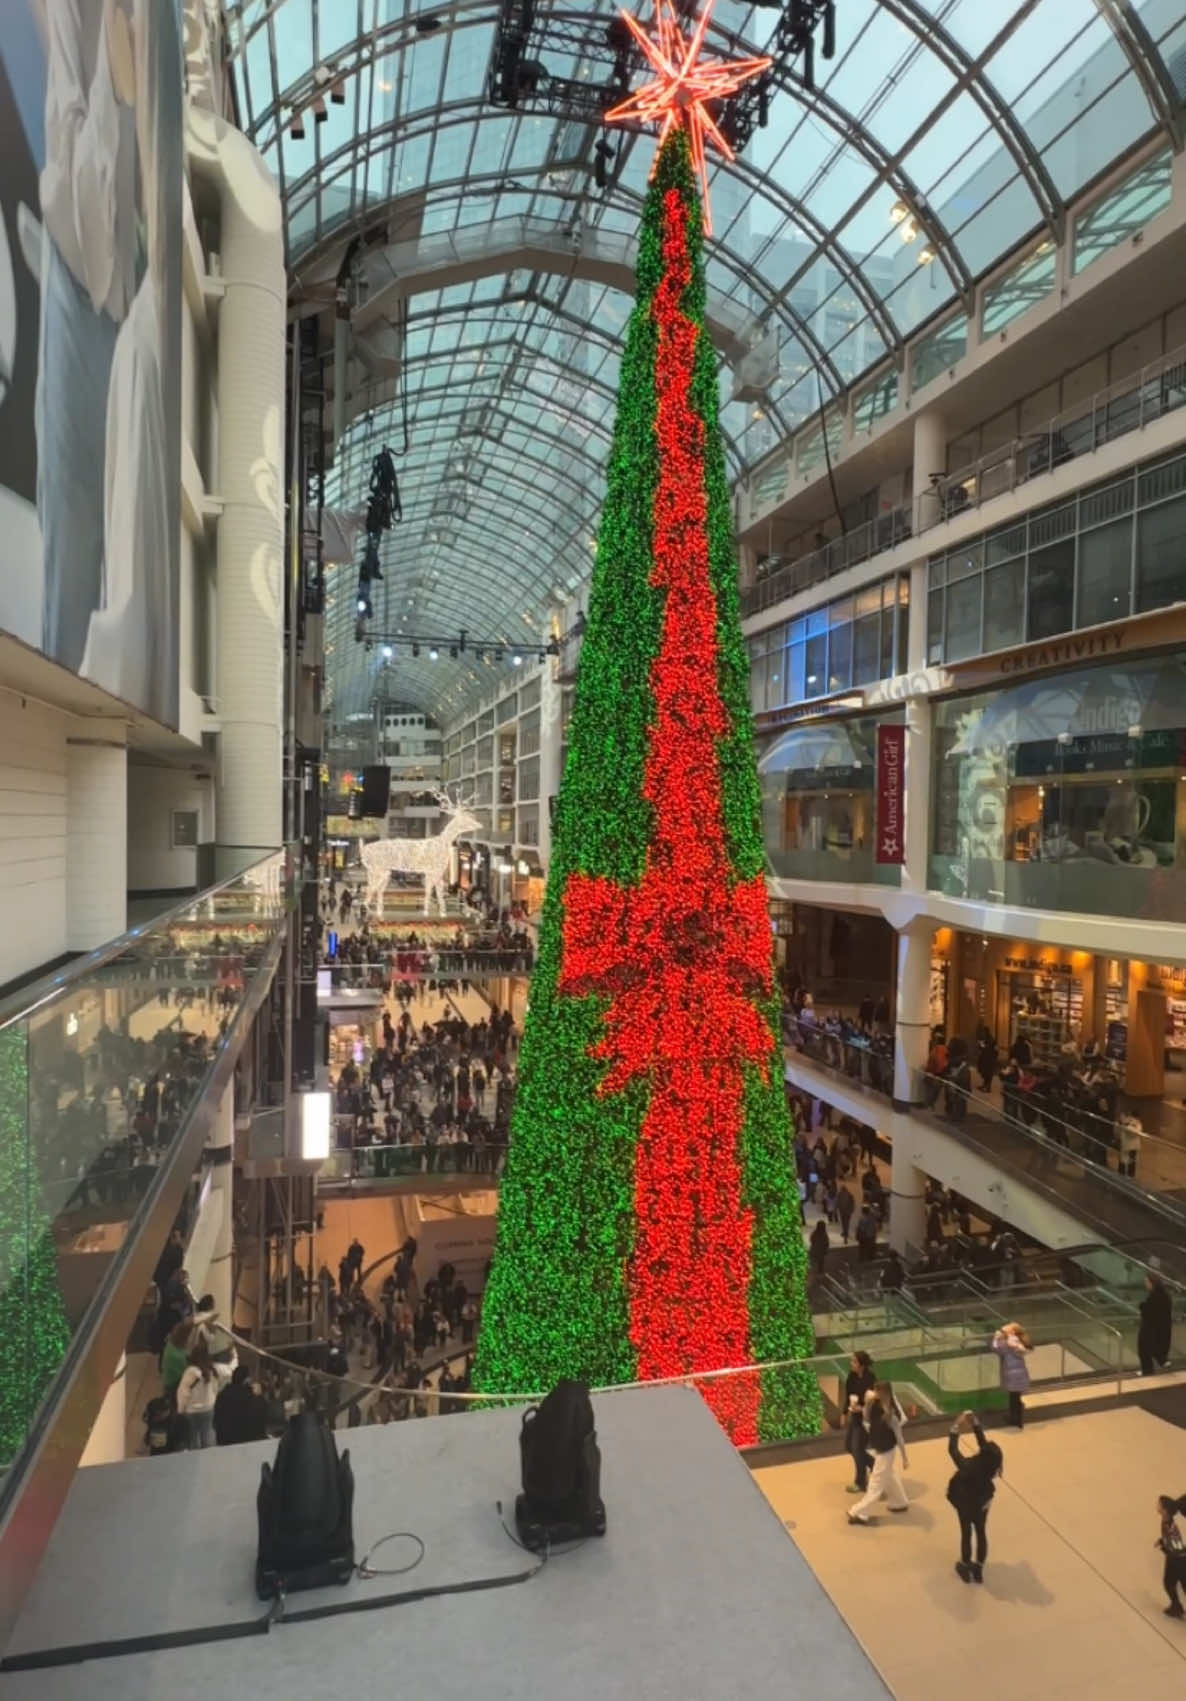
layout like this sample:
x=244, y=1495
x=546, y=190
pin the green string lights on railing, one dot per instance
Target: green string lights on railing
x=34, y=1332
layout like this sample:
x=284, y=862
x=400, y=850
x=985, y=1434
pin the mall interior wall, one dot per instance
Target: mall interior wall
x=32, y=834
x=157, y=863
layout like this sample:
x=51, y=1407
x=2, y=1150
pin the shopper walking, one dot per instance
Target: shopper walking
x=858, y=1384
x=1173, y=1546
x=1013, y=1346
x=1156, y=1330
x=970, y=1492
x=884, y=1481
x=845, y=1206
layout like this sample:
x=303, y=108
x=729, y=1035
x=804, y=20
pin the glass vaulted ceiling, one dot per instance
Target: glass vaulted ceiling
x=984, y=117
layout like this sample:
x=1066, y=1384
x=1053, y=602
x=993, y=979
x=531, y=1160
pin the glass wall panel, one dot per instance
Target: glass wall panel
x=1051, y=602
x=1018, y=289
x=1161, y=555
x=1004, y=605
x=933, y=354
x=1105, y=573
x=818, y=801
x=1127, y=208
x=962, y=633
x=1066, y=793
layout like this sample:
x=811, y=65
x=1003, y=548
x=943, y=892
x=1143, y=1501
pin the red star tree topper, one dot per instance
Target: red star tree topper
x=677, y=96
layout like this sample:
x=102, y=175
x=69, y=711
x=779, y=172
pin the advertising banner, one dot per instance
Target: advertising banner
x=891, y=775
x=91, y=138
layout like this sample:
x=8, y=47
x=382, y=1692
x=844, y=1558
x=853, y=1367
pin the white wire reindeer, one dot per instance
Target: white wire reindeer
x=429, y=857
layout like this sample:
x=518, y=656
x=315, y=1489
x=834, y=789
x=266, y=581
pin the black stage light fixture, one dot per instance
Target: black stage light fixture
x=561, y=1464
x=415, y=649
x=452, y=652
x=296, y=128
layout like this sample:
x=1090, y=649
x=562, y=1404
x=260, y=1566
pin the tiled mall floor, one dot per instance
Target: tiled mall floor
x=1071, y=1603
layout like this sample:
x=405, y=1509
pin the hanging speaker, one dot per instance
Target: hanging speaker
x=376, y=790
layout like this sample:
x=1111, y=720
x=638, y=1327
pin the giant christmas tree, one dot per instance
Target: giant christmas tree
x=648, y=1218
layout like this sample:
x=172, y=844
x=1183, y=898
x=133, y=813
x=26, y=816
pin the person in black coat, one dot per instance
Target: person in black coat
x=970, y=1491
x=1174, y=1548
x=819, y=1247
x=240, y=1414
x=1156, y=1331
x=858, y=1383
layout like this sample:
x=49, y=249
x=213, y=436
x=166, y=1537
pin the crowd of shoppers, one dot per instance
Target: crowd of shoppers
x=445, y=1091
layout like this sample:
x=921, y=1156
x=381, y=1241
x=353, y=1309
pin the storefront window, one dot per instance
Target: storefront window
x=818, y=802
x=1066, y=793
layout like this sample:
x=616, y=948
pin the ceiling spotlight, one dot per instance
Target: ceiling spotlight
x=319, y=111
x=898, y=212
x=498, y=652
x=925, y=256
x=452, y=652
x=516, y=660
x=297, y=128
x=388, y=652
x=362, y=605
x=433, y=653
x=426, y=23
x=415, y=649
x=337, y=92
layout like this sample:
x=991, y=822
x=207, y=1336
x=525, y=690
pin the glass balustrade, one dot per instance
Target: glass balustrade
x=101, y=1067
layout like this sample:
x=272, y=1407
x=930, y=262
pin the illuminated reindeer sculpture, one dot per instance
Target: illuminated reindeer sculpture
x=429, y=857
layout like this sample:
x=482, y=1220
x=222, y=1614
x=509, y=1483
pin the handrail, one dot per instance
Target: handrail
x=1124, y=1184
x=30, y=999
x=872, y=1059
x=817, y=1363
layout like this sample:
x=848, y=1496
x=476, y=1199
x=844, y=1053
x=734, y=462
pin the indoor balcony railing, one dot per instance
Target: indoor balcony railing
x=1068, y=1158
x=1123, y=407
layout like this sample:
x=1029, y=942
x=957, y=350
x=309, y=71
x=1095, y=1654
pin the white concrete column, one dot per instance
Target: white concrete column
x=916, y=793
x=912, y=1020
x=107, y=1443
x=551, y=699
x=251, y=409
x=930, y=456
x=908, y=1210
x=96, y=834
x=219, y=1278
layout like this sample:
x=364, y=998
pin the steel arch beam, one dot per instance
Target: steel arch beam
x=971, y=75
x=1148, y=66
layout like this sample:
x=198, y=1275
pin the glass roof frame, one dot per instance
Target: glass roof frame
x=921, y=100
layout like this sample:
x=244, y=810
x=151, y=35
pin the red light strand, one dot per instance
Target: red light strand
x=684, y=955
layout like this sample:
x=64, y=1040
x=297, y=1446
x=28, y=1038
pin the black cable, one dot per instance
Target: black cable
x=366, y=1570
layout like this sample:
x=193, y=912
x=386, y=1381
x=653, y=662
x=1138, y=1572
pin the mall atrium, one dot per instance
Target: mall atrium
x=593, y=798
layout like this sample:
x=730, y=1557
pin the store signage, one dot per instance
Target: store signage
x=924, y=682
x=891, y=776
x=1084, y=648
x=1035, y=965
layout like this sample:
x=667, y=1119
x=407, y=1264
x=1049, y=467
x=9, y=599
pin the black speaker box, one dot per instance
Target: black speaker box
x=376, y=790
